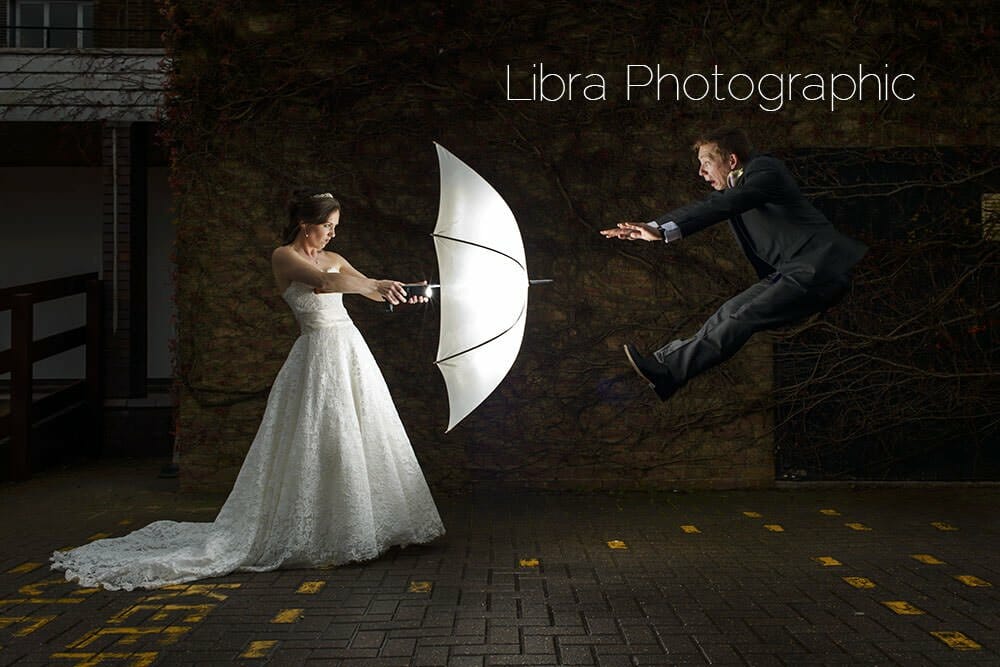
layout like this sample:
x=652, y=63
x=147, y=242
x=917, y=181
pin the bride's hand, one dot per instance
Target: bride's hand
x=391, y=291
x=418, y=298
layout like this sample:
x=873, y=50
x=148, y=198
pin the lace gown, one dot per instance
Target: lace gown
x=330, y=478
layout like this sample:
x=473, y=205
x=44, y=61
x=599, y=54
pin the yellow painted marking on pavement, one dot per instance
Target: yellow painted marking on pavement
x=754, y=515
x=927, y=559
x=957, y=640
x=125, y=522
x=143, y=659
x=259, y=649
x=617, y=544
x=830, y=512
x=941, y=525
x=860, y=582
x=288, y=616
x=419, y=587
x=970, y=580
x=30, y=623
x=98, y=536
x=209, y=591
x=857, y=526
x=902, y=607
x=528, y=562
x=311, y=587
x=37, y=588
x=774, y=527
x=193, y=613
x=690, y=529
x=827, y=561
x=131, y=635
x=24, y=568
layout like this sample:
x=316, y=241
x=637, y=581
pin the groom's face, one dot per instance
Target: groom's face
x=712, y=166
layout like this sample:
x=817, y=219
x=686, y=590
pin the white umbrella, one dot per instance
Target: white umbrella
x=484, y=286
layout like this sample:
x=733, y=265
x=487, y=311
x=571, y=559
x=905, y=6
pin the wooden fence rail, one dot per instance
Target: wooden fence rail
x=24, y=351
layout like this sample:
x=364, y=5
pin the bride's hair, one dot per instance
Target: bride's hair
x=310, y=206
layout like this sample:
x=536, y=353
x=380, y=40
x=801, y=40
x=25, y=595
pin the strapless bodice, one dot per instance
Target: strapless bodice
x=313, y=311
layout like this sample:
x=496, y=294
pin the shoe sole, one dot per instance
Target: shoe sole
x=631, y=362
x=652, y=385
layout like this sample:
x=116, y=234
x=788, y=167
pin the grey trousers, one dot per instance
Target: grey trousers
x=775, y=301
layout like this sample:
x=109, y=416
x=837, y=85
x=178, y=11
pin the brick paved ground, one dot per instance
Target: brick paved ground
x=829, y=576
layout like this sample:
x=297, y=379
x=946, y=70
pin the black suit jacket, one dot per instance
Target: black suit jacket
x=777, y=227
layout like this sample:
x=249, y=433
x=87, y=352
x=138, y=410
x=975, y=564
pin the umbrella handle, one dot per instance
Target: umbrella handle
x=415, y=290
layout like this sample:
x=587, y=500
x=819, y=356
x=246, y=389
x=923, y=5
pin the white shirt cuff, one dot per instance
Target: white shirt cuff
x=671, y=232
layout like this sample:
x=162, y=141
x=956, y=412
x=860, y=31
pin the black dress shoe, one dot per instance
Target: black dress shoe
x=652, y=371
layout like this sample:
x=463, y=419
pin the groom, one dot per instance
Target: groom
x=803, y=262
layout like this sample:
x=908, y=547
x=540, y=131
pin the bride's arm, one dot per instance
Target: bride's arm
x=289, y=266
x=346, y=268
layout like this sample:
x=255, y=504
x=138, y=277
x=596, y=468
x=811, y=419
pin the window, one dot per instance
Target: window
x=56, y=25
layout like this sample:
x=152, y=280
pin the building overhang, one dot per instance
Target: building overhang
x=81, y=85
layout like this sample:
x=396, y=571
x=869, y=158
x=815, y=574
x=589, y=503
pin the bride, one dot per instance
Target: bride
x=330, y=478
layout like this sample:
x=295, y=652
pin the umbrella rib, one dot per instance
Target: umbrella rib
x=485, y=342
x=479, y=245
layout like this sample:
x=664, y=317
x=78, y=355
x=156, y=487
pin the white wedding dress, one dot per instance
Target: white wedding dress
x=330, y=478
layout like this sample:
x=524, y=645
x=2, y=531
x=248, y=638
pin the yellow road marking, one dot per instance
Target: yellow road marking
x=902, y=607
x=927, y=559
x=91, y=659
x=98, y=536
x=754, y=515
x=288, y=616
x=420, y=587
x=970, y=580
x=827, y=561
x=311, y=587
x=131, y=635
x=528, y=562
x=690, y=529
x=209, y=591
x=30, y=623
x=195, y=613
x=36, y=589
x=857, y=526
x=617, y=544
x=941, y=525
x=24, y=568
x=259, y=649
x=774, y=528
x=830, y=512
x=860, y=582
x=125, y=522
x=957, y=640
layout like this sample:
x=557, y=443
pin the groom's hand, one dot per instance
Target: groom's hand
x=633, y=231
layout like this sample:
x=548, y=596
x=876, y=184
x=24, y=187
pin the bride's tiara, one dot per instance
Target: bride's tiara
x=325, y=195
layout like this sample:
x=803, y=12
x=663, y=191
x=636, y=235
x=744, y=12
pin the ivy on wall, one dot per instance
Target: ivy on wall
x=350, y=96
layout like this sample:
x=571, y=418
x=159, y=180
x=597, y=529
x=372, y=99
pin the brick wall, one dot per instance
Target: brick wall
x=353, y=101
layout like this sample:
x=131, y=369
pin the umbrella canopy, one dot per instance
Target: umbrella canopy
x=484, y=286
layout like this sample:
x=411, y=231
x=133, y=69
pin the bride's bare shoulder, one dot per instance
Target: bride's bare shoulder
x=334, y=260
